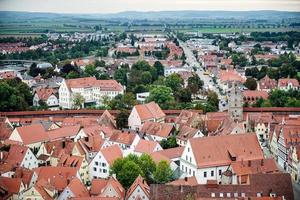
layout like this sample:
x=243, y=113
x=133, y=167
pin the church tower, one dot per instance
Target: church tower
x=235, y=101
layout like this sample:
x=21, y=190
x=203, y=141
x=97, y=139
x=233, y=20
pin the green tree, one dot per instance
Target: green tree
x=168, y=143
x=161, y=95
x=163, y=173
x=146, y=78
x=122, y=119
x=90, y=70
x=130, y=171
x=195, y=84
x=183, y=95
x=72, y=75
x=213, y=100
x=33, y=70
x=159, y=68
x=251, y=84
x=120, y=75
x=278, y=98
x=148, y=167
x=174, y=81
x=78, y=101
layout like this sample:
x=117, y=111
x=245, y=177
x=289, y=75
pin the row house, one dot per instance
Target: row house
x=266, y=84
x=157, y=131
x=288, y=84
x=146, y=147
x=75, y=189
x=108, y=188
x=126, y=140
x=145, y=112
x=100, y=165
x=138, y=190
x=47, y=95
x=251, y=96
x=185, y=133
x=294, y=163
x=92, y=90
x=208, y=158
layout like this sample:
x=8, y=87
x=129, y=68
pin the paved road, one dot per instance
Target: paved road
x=208, y=82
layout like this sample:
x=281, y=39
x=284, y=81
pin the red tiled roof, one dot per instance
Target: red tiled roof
x=16, y=154
x=139, y=181
x=149, y=111
x=64, y=132
x=32, y=133
x=157, y=129
x=283, y=82
x=230, y=75
x=123, y=137
x=172, y=153
x=11, y=185
x=191, y=181
x=111, y=153
x=45, y=93
x=24, y=174
x=78, y=189
x=146, y=146
x=98, y=186
x=217, y=150
x=267, y=83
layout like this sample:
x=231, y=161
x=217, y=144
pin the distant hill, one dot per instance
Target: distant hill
x=19, y=16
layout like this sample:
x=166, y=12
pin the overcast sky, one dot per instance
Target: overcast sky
x=112, y=6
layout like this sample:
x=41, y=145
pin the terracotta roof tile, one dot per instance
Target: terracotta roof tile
x=149, y=111
x=32, y=134
x=139, y=181
x=146, y=146
x=111, y=153
x=157, y=129
x=78, y=189
x=99, y=186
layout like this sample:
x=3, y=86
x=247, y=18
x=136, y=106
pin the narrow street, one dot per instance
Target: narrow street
x=208, y=82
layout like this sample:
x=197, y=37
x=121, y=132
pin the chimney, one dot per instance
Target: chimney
x=249, y=163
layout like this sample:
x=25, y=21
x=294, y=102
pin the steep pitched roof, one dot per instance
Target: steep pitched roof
x=16, y=154
x=98, y=186
x=190, y=181
x=222, y=150
x=107, y=119
x=139, y=181
x=186, y=132
x=32, y=133
x=111, y=153
x=283, y=82
x=158, y=129
x=172, y=153
x=78, y=189
x=123, y=137
x=59, y=133
x=24, y=174
x=10, y=185
x=45, y=93
x=146, y=146
x=149, y=111
x=58, y=177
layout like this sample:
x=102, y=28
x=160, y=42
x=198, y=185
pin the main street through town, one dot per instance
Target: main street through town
x=191, y=62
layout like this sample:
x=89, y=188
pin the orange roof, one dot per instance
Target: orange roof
x=190, y=181
x=82, y=121
x=146, y=146
x=70, y=161
x=107, y=119
x=98, y=186
x=78, y=189
x=24, y=174
x=267, y=83
x=64, y=132
x=254, y=94
x=5, y=130
x=186, y=132
x=44, y=93
x=16, y=154
x=172, y=153
x=32, y=133
x=42, y=186
x=104, y=85
x=230, y=75
x=123, y=137
x=58, y=177
x=254, y=166
x=92, y=143
x=158, y=129
x=139, y=181
x=283, y=82
x=158, y=156
x=149, y=111
x=11, y=185
x=111, y=153
x=218, y=150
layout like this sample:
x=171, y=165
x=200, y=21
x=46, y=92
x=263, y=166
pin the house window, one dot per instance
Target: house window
x=186, y=157
x=193, y=173
x=212, y=173
x=190, y=159
x=188, y=149
x=221, y=195
x=213, y=194
x=96, y=163
x=190, y=171
x=243, y=194
x=204, y=174
x=104, y=170
x=220, y=172
x=103, y=164
x=228, y=195
x=236, y=194
x=95, y=169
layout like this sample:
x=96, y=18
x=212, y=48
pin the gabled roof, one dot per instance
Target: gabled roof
x=98, y=186
x=283, y=82
x=254, y=166
x=141, y=182
x=158, y=156
x=123, y=137
x=70, y=161
x=223, y=150
x=111, y=153
x=92, y=143
x=186, y=132
x=157, y=129
x=254, y=94
x=172, y=153
x=190, y=181
x=149, y=111
x=146, y=146
x=10, y=185
x=44, y=93
x=82, y=121
x=87, y=82
x=24, y=174
x=16, y=154
x=58, y=177
x=78, y=189
x=64, y=132
x=107, y=119
x=32, y=133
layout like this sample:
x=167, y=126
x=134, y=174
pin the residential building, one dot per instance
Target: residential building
x=109, y=187
x=75, y=189
x=100, y=164
x=146, y=147
x=288, y=84
x=92, y=90
x=266, y=84
x=157, y=131
x=145, y=112
x=208, y=157
x=138, y=190
x=47, y=95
